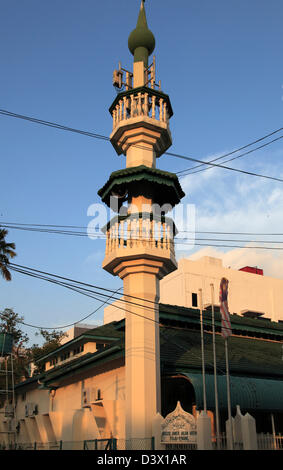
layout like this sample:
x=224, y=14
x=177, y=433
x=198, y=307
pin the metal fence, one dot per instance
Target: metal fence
x=135, y=444
x=264, y=442
x=95, y=444
x=269, y=442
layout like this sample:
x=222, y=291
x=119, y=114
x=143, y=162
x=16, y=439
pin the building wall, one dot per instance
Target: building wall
x=76, y=331
x=246, y=291
x=114, y=312
x=63, y=416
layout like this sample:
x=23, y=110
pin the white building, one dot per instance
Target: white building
x=250, y=294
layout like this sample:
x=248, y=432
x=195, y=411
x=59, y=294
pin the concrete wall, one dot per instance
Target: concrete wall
x=63, y=416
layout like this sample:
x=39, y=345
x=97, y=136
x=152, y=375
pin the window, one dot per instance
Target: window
x=78, y=350
x=65, y=356
x=194, y=300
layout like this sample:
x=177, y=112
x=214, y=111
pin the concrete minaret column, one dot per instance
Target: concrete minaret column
x=139, y=74
x=141, y=153
x=142, y=349
x=140, y=249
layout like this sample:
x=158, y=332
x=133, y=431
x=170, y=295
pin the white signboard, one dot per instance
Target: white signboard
x=179, y=427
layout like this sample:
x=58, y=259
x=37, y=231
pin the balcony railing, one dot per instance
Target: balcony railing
x=141, y=102
x=138, y=231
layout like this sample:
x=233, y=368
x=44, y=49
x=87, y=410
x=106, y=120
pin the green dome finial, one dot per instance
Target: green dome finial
x=141, y=40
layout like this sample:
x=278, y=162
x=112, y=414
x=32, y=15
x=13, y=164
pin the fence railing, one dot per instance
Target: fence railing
x=140, y=230
x=264, y=442
x=94, y=444
x=269, y=442
x=140, y=103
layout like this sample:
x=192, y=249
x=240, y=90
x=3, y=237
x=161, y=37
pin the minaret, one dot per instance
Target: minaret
x=140, y=239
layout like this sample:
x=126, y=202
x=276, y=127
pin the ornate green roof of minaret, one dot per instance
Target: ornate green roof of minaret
x=141, y=41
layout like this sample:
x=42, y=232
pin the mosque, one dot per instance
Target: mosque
x=112, y=381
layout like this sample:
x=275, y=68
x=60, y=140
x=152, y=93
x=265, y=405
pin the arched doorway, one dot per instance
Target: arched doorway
x=176, y=388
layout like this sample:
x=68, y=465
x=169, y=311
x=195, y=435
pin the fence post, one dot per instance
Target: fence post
x=61, y=445
x=95, y=444
x=249, y=433
x=152, y=443
x=34, y=446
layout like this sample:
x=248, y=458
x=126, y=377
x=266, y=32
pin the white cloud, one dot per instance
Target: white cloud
x=232, y=202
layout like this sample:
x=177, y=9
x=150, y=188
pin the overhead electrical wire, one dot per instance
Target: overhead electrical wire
x=229, y=160
x=178, y=241
x=87, y=292
x=102, y=137
x=19, y=224
x=63, y=326
x=164, y=326
x=218, y=165
x=63, y=279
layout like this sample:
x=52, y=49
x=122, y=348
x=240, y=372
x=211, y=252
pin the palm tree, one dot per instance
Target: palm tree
x=6, y=252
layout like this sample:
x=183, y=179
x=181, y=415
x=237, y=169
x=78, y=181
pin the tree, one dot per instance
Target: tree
x=6, y=252
x=9, y=321
x=23, y=355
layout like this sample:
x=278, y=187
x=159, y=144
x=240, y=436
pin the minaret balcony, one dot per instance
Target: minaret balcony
x=140, y=237
x=141, y=116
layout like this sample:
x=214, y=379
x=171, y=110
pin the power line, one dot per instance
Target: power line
x=53, y=124
x=164, y=327
x=12, y=224
x=238, y=150
x=178, y=241
x=63, y=326
x=99, y=136
x=217, y=165
x=83, y=291
x=239, y=156
x=63, y=279
x=125, y=310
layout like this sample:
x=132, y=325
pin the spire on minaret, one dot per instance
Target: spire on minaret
x=141, y=41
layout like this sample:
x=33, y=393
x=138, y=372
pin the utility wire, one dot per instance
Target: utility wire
x=217, y=165
x=178, y=241
x=87, y=292
x=99, y=136
x=63, y=279
x=63, y=326
x=238, y=150
x=81, y=291
x=238, y=156
x=12, y=224
x=165, y=327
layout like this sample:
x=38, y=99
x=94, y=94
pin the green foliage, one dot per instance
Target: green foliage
x=6, y=252
x=9, y=321
x=23, y=356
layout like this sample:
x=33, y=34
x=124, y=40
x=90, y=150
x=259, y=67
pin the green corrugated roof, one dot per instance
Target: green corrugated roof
x=105, y=333
x=181, y=349
x=249, y=393
x=238, y=323
x=164, y=185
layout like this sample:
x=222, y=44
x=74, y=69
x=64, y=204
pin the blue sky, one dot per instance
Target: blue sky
x=221, y=64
